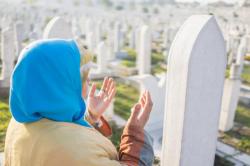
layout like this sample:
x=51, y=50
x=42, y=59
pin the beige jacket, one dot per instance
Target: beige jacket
x=50, y=143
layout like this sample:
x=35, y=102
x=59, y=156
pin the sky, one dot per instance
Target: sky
x=208, y=1
x=201, y=1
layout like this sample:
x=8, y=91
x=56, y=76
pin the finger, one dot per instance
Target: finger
x=148, y=99
x=135, y=111
x=112, y=94
x=112, y=86
x=92, y=90
x=148, y=106
x=144, y=95
x=142, y=101
x=143, y=98
x=104, y=84
x=110, y=81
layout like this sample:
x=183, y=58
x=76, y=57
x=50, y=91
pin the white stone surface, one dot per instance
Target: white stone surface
x=117, y=37
x=132, y=38
x=7, y=56
x=18, y=33
x=90, y=41
x=232, y=90
x=197, y=63
x=1, y=159
x=144, y=57
x=102, y=57
x=57, y=28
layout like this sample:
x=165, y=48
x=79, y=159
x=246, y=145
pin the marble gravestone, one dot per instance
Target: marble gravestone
x=144, y=56
x=232, y=89
x=194, y=87
x=58, y=28
x=8, y=57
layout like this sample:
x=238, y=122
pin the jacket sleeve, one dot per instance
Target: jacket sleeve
x=136, y=148
x=103, y=127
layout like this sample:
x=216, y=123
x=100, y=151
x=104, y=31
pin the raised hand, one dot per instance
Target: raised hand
x=97, y=104
x=141, y=111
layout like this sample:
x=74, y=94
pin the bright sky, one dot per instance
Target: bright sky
x=202, y=1
x=208, y=1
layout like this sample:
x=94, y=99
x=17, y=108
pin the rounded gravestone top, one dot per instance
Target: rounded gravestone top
x=57, y=28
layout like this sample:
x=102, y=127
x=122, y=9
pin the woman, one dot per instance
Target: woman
x=51, y=125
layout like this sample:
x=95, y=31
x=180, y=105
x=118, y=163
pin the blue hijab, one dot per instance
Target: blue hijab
x=46, y=83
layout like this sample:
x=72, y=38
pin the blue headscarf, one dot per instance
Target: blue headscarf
x=46, y=83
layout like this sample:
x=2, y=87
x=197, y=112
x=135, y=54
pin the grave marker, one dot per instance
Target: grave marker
x=195, y=78
x=57, y=28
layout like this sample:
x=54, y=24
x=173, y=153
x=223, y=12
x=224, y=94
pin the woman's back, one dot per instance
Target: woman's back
x=51, y=143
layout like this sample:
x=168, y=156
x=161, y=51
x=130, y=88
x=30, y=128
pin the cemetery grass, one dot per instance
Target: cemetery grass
x=246, y=75
x=239, y=136
x=130, y=61
x=4, y=119
x=158, y=63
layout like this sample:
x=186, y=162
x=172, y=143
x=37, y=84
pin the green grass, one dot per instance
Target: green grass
x=157, y=58
x=240, y=138
x=237, y=139
x=131, y=54
x=157, y=61
x=246, y=75
x=227, y=73
x=4, y=119
x=158, y=68
x=243, y=116
x=126, y=97
x=128, y=63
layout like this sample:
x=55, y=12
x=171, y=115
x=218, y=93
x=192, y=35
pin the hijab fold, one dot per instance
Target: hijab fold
x=46, y=83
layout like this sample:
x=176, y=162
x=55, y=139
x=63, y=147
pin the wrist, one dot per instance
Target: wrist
x=134, y=127
x=96, y=122
x=93, y=117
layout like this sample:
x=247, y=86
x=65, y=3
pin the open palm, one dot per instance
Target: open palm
x=97, y=104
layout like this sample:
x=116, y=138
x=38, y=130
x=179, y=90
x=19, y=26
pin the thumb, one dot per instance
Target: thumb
x=135, y=111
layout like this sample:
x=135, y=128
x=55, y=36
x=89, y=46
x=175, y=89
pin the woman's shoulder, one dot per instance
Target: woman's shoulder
x=54, y=134
x=57, y=140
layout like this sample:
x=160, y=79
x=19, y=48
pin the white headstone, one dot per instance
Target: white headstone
x=90, y=35
x=144, y=57
x=132, y=38
x=232, y=90
x=57, y=28
x=7, y=56
x=195, y=78
x=90, y=42
x=89, y=26
x=18, y=31
x=117, y=37
x=98, y=31
x=102, y=57
x=137, y=40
